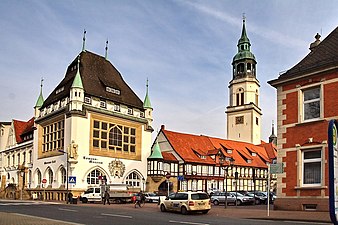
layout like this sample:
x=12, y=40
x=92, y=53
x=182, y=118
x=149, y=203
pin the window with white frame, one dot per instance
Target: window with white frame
x=312, y=167
x=63, y=175
x=311, y=103
x=133, y=180
x=93, y=177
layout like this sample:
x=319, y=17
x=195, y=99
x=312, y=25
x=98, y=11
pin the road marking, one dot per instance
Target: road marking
x=116, y=215
x=69, y=210
x=173, y=221
x=43, y=218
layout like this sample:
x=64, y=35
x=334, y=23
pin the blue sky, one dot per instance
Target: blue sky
x=185, y=49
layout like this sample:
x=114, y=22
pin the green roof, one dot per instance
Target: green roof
x=156, y=154
x=146, y=103
x=40, y=100
x=77, y=82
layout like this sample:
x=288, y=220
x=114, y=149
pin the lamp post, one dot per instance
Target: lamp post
x=222, y=160
x=67, y=166
x=22, y=174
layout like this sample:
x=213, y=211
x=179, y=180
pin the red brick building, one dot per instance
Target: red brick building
x=306, y=101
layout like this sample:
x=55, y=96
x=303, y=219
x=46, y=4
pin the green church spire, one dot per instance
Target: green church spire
x=146, y=103
x=244, y=46
x=40, y=100
x=156, y=154
x=77, y=82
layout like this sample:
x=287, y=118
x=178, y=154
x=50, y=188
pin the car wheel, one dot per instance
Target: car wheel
x=184, y=210
x=84, y=200
x=150, y=200
x=216, y=202
x=257, y=202
x=163, y=209
x=239, y=202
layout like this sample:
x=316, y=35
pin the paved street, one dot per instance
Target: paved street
x=40, y=213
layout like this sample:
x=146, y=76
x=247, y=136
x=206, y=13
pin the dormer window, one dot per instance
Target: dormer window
x=103, y=104
x=130, y=111
x=253, y=153
x=142, y=114
x=59, y=90
x=117, y=108
x=88, y=100
x=113, y=90
x=229, y=151
x=249, y=161
x=203, y=157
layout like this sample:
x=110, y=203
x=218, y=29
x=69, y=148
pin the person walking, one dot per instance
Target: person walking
x=140, y=200
x=70, y=198
x=106, y=198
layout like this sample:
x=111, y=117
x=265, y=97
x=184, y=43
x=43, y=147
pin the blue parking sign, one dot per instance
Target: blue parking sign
x=72, y=179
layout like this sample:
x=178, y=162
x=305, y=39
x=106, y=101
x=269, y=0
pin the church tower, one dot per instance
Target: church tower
x=243, y=112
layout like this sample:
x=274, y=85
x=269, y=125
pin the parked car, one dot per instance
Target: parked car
x=151, y=197
x=219, y=198
x=186, y=202
x=212, y=191
x=260, y=197
x=242, y=199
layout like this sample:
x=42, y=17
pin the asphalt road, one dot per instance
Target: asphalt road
x=123, y=214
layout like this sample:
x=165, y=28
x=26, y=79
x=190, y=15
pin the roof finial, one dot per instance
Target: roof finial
x=41, y=83
x=84, y=40
x=106, y=56
x=244, y=17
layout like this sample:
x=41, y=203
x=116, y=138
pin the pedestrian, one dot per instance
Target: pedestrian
x=106, y=198
x=70, y=198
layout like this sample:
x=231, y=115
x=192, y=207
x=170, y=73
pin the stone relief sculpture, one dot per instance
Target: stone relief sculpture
x=117, y=168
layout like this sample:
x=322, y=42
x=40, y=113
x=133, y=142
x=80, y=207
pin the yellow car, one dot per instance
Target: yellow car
x=186, y=202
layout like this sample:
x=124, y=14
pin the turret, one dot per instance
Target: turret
x=76, y=90
x=148, y=110
x=39, y=102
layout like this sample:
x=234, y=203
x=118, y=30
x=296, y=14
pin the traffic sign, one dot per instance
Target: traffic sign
x=72, y=179
x=44, y=180
x=276, y=168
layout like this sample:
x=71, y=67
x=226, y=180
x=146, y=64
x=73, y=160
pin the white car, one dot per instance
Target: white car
x=151, y=197
x=186, y=202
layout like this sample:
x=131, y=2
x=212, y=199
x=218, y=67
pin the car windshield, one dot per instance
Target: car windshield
x=199, y=196
x=152, y=194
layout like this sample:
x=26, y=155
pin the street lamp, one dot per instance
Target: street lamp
x=22, y=174
x=222, y=160
x=67, y=166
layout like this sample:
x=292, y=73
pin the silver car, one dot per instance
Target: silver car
x=219, y=198
x=242, y=199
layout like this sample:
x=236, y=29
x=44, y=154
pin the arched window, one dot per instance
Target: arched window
x=240, y=68
x=93, y=177
x=39, y=176
x=240, y=97
x=63, y=175
x=115, y=137
x=133, y=180
x=50, y=176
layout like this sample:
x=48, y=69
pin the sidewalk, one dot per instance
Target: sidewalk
x=249, y=212
x=242, y=212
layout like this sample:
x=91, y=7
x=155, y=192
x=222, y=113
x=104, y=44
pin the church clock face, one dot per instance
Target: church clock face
x=239, y=119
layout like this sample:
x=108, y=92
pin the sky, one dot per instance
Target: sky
x=184, y=47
